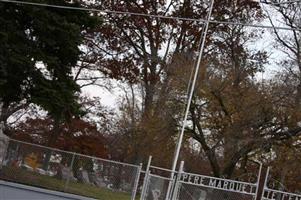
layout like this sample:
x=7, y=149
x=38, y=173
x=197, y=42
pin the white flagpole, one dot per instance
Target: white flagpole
x=180, y=139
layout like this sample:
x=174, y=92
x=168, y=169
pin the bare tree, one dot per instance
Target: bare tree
x=289, y=42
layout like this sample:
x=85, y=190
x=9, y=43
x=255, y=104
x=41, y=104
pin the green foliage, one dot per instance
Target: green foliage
x=39, y=48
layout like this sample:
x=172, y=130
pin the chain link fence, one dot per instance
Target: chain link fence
x=69, y=172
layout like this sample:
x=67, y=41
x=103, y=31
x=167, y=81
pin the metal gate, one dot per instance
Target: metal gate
x=158, y=183
x=273, y=194
x=182, y=185
x=157, y=187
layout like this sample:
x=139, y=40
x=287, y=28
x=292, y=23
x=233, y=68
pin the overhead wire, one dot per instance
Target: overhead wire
x=149, y=15
x=101, y=10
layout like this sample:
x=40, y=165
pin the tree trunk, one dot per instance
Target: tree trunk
x=148, y=101
x=242, y=152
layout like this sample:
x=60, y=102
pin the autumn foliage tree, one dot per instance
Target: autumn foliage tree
x=77, y=136
x=141, y=51
x=234, y=118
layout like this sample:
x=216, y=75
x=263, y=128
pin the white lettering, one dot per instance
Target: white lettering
x=225, y=185
x=190, y=179
x=219, y=185
x=243, y=188
x=238, y=186
x=231, y=187
x=202, y=181
x=274, y=196
x=184, y=177
x=212, y=182
x=283, y=196
x=196, y=180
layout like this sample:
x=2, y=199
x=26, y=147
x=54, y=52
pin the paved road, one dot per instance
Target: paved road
x=13, y=191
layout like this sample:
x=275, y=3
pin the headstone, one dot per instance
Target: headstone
x=97, y=180
x=126, y=186
x=156, y=194
x=157, y=189
x=200, y=195
x=65, y=173
x=83, y=176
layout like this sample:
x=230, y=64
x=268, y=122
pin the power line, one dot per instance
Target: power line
x=150, y=15
x=99, y=10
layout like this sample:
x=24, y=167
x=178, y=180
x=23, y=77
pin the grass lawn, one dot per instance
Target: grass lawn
x=43, y=181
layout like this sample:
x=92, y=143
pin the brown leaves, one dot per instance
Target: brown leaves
x=78, y=136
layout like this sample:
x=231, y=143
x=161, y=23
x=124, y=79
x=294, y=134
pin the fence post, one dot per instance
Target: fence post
x=136, y=182
x=171, y=184
x=258, y=181
x=265, y=183
x=6, y=142
x=146, y=178
x=71, y=167
x=175, y=192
